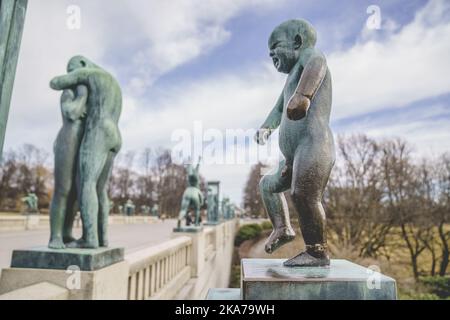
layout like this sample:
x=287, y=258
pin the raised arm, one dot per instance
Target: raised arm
x=76, y=77
x=272, y=122
x=74, y=106
x=312, y=76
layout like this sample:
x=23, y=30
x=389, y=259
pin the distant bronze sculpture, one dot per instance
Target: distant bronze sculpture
x=85, y=149
x=145, y=210
x=213, y=202
x=302, y=114
x=31, y=201
x=130, y=208
x=226, y=208
x=192, y=197
x=155, y=210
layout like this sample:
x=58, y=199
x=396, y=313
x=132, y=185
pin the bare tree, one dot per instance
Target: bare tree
x=24, y=170
x=252, y=201
x=354, y=198
x=406, y=199
x=442, y=216
x=123, y=178
x=8, y=187
x=145, y=181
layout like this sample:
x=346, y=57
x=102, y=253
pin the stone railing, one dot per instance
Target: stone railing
x=158, y=270
x=22, y=222
x=17, y=222
x=210, y=242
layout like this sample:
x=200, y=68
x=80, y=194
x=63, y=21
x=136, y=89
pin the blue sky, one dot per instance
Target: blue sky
x=183, y=61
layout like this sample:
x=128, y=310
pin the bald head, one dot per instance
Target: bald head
x=288, y=40
x=79, y=61
x=295, y=30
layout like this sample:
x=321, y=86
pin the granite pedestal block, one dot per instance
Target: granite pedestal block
x=85, y=259
x=83, y=274
x=268, y=279
x=189, y=229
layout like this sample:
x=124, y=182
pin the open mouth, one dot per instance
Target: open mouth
x=276, y=62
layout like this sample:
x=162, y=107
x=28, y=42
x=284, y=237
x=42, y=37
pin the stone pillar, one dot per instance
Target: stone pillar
x=198, y=248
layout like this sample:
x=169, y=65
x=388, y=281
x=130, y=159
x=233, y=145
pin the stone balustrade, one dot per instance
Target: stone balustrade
x=154, y=270
x=210, y=242
x=184, y=267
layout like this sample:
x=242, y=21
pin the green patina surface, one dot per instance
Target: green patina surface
x=85, y=259
x=12, y=18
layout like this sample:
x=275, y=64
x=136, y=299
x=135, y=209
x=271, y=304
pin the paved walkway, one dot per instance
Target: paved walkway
x=131, y=236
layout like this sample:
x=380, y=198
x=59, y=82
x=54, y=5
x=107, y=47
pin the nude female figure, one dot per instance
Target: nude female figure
x=63, y=207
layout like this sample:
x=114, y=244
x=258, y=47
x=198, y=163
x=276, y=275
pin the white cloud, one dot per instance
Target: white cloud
x=167, y=34
x=408, y=65
x=425, y=130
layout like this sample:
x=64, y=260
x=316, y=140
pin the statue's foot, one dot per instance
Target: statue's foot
x=81, y=243
x=305, y=259
x=279, y=237
x=104, y=243
x=56, y=244
x=68, y=239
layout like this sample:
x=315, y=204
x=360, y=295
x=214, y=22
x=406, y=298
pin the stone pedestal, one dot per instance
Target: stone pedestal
x=188, y=229
x=268, y=279
x=85, y=274
x=84, y=259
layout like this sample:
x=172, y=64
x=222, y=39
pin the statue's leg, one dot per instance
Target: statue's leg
x=197, y=215
x=272, y=187
x=63, y=173
x=311, y=170
x=103, y=201
x=183, y=210
x=57, y=214
x=92, y=162
x=71, y=212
